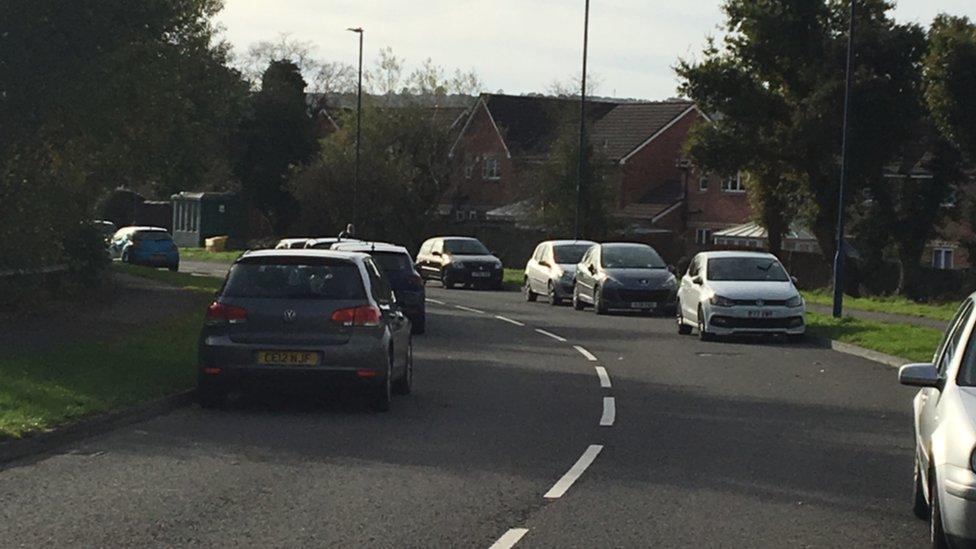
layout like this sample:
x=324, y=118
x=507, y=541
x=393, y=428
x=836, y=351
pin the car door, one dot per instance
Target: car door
x=586, y=274
x=928, y=399
x=382, y=293
x=537, y=273
x=690, y=293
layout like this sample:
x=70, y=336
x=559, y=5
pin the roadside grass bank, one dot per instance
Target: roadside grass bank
x=890, y=305
x=39, y=391
x=201, y=254
x=184, y=281
x=901, y=340
x=79, y=378
x=512, y=279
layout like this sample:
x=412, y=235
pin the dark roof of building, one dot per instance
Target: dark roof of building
x=629, y=125
x=530, y=124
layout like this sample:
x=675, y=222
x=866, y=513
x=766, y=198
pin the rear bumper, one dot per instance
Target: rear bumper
x=154, y=260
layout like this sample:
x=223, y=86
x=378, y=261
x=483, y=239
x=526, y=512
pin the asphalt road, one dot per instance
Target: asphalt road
x=705, y=444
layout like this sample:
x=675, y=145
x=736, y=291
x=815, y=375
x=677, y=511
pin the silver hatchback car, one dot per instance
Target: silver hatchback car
x=305, y=316
x=945, y=434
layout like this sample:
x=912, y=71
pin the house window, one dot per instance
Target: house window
x=459, y=215
x=942, y=259
x=733, y=184
x=703, y=236
x=473, y=215
x=703, y=183
x=468, y=171
x=492, y=169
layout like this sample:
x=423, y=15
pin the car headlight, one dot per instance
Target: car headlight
x=719, y=301
x=498, y=266
x=795, y=301
x=671, y=283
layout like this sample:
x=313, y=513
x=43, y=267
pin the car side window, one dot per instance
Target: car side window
x=951, y=346
x=693, y=268
x=539, y=252
x=379, y=286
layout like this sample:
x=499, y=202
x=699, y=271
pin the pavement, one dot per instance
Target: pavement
x=639, y=437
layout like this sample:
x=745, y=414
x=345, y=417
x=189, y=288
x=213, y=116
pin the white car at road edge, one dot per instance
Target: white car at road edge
x=732, y=293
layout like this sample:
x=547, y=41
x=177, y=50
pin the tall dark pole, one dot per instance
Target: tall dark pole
x=840, y=256
x=359, y=129
x=581, y=170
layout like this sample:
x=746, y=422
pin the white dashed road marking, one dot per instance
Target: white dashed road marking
x=552, y=335
x=575, y=472
x=604, y=377
x=589, y=356
x=510, y=538
x=435, y=302
x=609, y=412
x=469, y=309
x=509, y=320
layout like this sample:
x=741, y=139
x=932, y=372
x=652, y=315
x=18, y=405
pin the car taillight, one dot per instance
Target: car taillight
x=221, y=312
x=365, y=316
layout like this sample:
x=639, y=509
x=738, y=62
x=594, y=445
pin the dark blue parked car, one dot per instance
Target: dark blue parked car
x=148, y=246
x=398, y=267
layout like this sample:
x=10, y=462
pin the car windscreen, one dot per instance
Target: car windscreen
x=465, y=247
x=295, y=278
x=746, y=269
x=630, y=257
x=321, y=245
x=151, y=235
x=392, y=261
x=569, y=254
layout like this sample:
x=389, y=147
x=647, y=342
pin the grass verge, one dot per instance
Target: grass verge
x=201, y=254
x=901, y=340
x=184, y=281
x=39, y=391
x=512, y=279
x=890, y=305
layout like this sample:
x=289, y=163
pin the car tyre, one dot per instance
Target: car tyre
x=447, y=280
x=530, y=296
x=384, y=392
x=936, y=528
x=702, y=330
x=404, y=385
x=577, y=302
x=920, y=505
x=125, y=257
x=598, y=306
x=553, y=298
x=683, y=329
x=174, y=268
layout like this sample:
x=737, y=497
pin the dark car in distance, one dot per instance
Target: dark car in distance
x=624, y=277
x=399, y=268
x=459, y=261
x=312, y=318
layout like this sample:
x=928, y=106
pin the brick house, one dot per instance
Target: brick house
x=661, y=198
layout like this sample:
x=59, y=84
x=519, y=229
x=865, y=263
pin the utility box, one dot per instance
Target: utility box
x=199, y=216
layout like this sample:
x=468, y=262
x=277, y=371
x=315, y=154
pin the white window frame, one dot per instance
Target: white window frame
x=459, y=215
x=737, y=187
x=703, y=237
x=943, y=259
x=468, y=170
x=703, y=184
x=473, y=215
x=491, y=169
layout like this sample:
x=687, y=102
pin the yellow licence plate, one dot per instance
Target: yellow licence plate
x=288, y=358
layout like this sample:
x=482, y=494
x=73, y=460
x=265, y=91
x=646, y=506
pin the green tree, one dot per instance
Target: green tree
x=555, y=184
x=950, y=80
x=278, y=137
x=777, y=83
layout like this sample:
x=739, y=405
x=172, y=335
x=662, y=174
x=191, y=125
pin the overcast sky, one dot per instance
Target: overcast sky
x=515, y=45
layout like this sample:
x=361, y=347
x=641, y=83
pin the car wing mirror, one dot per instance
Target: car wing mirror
x=592, y=269
x=672, y=270
x=544, y=263
x=795, y=280
x=697, y=281
x=435, y=254
x=919, y=375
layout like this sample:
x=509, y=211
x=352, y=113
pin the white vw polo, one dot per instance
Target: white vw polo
x=729, y=293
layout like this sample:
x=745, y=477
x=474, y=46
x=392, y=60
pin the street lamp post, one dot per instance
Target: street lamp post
x=359, y=127
x=840, y=256
x=581, y=169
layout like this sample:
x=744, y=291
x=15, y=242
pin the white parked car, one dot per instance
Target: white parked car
x=552, y=269
x=945, y=434
x=730, y=293
x=291, y=243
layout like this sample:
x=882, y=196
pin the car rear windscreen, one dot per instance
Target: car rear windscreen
x=392, y=261
x=151, y=235
x=569, y=254
x=746, y=269
x=295, y=278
